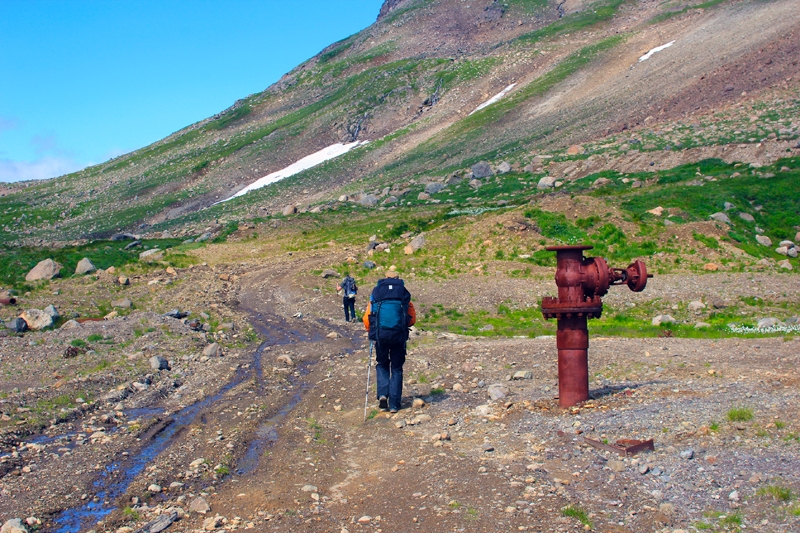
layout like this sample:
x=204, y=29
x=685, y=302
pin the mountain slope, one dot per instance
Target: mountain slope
x=408, y=84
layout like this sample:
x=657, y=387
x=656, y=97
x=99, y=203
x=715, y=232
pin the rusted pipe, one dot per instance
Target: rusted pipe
x=581, y=282
x=8, y=301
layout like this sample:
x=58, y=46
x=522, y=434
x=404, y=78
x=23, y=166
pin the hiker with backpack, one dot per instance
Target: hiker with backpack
x=349, y=289
x=389, y=315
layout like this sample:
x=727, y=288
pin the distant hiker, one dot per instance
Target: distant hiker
x=389, y=315
x=349, y=289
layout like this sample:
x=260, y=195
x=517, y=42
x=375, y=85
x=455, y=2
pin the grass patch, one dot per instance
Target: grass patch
x=776, y=492
x=740, y=414
x=573, y=511
x=555, y=226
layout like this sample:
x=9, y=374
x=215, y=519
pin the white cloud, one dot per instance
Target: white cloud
x=44, y=168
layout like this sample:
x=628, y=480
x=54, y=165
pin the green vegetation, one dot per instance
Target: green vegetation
x=573, y=511
x=555, y=226
x=740, y=414
x=776, y=492
x=78, y=343
x=594, y=14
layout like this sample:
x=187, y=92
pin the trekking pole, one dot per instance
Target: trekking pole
x=369, y=371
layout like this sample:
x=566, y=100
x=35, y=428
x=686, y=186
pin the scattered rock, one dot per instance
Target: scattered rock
x=728, y=206
x=576, y=149
x=37, y=319
x=481, y=170
x=599, y=182
x=662, y=319
x=159, y=363
x=309, y=488
x=503, y=168
x=289, y=210
x=369, y=265
x=122, y=304
x=13, y=526
x=433, y=188
x=47, y=269
x=423, y=196
x=368, y=200
x=785, y=264
x=415, y=244
x=161, y=523
x=124, y=280
x=497, y=391
x=711, y=267
x=475, y=184
x=18, y=325
x=133, y=244
x=212, y=522
x=52, y=311
x=329, y=273
x=418, y=403
x=657, y=211
x=696, y=306
x=747, y=217
x=616, y=465
x=763, y=240
x=285, y=359
x=70, y=324
x=213, y=350
x=687, y=454
x=85, y=266
x=767, y=322
x=720, y=217
x=547, y=182
x=522, y=374
x=151, y=255
x=702, y=325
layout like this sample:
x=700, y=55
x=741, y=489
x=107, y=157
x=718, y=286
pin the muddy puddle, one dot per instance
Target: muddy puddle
x=117, y=477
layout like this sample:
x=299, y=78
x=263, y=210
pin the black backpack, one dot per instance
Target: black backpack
x=349, y=287
x=388, y=318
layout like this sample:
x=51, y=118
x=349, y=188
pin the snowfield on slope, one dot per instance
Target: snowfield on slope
x=494, y=98
x=331, y=152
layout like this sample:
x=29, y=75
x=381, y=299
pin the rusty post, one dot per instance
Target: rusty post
x=581, y=282
x=8, y=301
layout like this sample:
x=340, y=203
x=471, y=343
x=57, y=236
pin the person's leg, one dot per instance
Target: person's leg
x=346, y=309
x=382, y=370
x=351, y=304
x=397, y=359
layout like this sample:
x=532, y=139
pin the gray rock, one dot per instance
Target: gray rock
x=159, y=363
x=37, y=319
x=729, y=206
x=662, y=319
x=547, y=182
x=423, y=196
x=17, y=325
x=52, y=311
x=475, y=184
x=481, y=170
x=792, y=252
x=161, y=523
x=199, y=505
x=643, y=469
x=415, y=244
x=70, y=324
x=212, y=522
x=123, y=237
x=785, y=264
x=433, y=188
x=13, y=526
x=368, y=200
x=747, y=217
x=369, y=265
x=85, y=266
x=497, y=391
x=329, y=273
x=309, y=488
x=788, y=244
x=767, y=322
x=151, y=255
x=696, y=306
x=687, y=454
x=763, y=240
x=616, y=465
x=47, y=269
x=204, y=237
x=522, y=374
x=702, y=325
x=122, y=304
x=390, y=200
x=720, y=217
x=289, y=210
x=599, y=182
x=133, y=244
x=783, y=250
x=213, y=350
x=503, y=168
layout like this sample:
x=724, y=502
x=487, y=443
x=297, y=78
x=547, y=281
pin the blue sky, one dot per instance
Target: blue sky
x=84, y=81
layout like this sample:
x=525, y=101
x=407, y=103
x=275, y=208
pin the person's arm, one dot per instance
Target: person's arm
x=365, y=318
x=412, y=314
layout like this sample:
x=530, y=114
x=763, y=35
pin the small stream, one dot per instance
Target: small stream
x=114, y=480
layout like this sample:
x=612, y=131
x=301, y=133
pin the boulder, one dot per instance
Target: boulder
x=720, y=217
x=792, y=252
x=785, y=264
x=599, y=182
x=199, y=505
x=17, y=325
x=657, y=211
x=767, y=322
x=763, y=240
x=788, y=244
x=70, y=324
x=696, y=306
x=13, y=526
x=123, y=237
x=423, y=196
x=204, y=237
x=343, y=198
x=475, y=184
x=702, y=325
x=576, y=149
x=433, y=188
x=662, y=319
x=547, y=182
x=37, y=319
x=728, y=206
x=415, y=244
x=122, y=304
x=522, y=374
x=52, y=311
x=783, y=250
x=159, y=363
x=497, y=391
x=47, y=269
x=153, y=254
x=329, y=273
x=85, y=266
x=711, y=267
x=213, y=350
x=369, y=265
x=289, y=210
x=133, y=244
x=747, y=217
x=390, y=200
x=503, y=168
x=368, y=200
x=481, y=170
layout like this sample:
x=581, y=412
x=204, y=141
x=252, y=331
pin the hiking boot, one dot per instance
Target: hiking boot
x=383, y=402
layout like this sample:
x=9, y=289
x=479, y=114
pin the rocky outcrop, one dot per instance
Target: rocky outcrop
x=47, y=269
x=389, y=6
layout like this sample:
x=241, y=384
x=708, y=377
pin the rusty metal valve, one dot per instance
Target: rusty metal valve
x=581, y=282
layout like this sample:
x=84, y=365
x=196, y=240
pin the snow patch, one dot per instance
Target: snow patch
x=331, y=152
x=494, y=98
x=649, y=54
